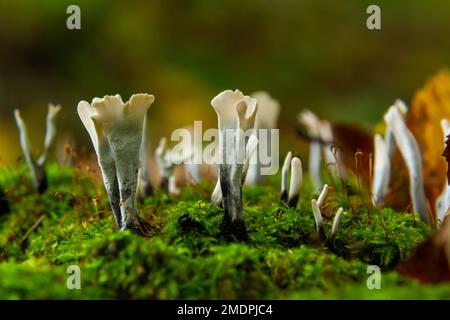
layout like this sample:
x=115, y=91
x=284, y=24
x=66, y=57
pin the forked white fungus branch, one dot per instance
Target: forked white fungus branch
x=36, y=167
x=116, y=129
x=409, y=149
x=235, y=114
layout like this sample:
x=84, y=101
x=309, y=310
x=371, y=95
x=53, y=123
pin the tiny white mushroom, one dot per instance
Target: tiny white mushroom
x=284, y=176
x=311, y=122
x=116, y=129
x=36, y=167
x=388, y=136
x=381, y=171
x=295, y=183
x=266, y=119
x=317, y=218
x=145, y=184
x=335, y=226
x=323, y=194
x=409, y=149
x=235, y=115
x=167, y=159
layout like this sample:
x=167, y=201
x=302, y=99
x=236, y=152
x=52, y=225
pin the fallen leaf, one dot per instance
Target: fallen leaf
x=446, y=154
x=430, y=261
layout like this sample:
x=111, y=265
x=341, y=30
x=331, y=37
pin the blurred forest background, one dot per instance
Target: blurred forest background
x=306, y=53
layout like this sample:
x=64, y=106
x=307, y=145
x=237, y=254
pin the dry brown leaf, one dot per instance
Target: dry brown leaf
x=446, y=154
x=430, y=261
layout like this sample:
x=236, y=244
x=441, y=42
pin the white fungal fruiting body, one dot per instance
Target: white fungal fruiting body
x=145, y=184
x=311, y=122
x=284, y=176
x=236, y=114
x=409, y=149
x=36, y=168
x=116, y=130
x=266, y=118
x=381, y=171
x=388, y=136
x=167, y=159
x=296, y=182
x=323, y=195
x=335, y=226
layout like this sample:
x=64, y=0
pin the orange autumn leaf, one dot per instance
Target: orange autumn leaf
x=429, y=105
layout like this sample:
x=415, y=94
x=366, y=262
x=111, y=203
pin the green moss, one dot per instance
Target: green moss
x=186, y=256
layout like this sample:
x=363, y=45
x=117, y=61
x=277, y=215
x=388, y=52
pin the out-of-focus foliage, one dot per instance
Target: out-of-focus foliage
x=315, y=54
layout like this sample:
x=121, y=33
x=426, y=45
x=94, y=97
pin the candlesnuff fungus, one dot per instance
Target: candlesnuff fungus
x=381, y=171
x=315, y=205
x=295, y=166
x=116, y=131
x=37, y=167
x=235, y=114
x=266, y=119
x=443, y=201
x=167, y=159
x=409, y=149
x=311, y=122
x=384, y=149
x=388, y=135
x=145, y=185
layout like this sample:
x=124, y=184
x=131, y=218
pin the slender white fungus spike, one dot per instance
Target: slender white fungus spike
x=326, y=134
x=172, y=187
x=50, y=133
x=409, y=149
x=167, y=160
x=116, y=130
x=296, y=182
x=381, y=171
x=442, y=204
x=323, y=195
x=266, y=118
x=235, y=114
x=284, y=176
x=145, y=185
x=192, y=168
x=38, y=174
x=317, y=216
x=25, y=144
x=388, y=137
x=335, y=226
x=311, y=122
x=250, y=149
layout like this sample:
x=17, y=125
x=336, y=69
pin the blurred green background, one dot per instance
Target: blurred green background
x=307, y=54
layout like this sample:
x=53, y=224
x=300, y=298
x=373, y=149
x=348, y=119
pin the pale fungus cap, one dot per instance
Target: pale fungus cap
x=268, y=110
x=234, y=110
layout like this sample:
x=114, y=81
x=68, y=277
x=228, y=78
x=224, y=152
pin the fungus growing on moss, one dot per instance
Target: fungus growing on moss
x=116, y=129
x=145, y=185
x=291, y=195
x=409, y=149
x=315, y=205
x=266, y=119
x=381, y=171
x=37, y=167
x=167, y=159
x=236, y=115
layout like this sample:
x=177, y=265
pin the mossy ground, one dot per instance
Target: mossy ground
x=186, y=256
